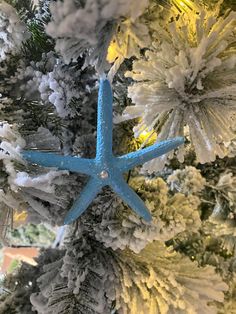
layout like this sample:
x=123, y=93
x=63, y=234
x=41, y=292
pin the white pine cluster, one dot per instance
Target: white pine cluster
x=222, y=221
x=58, y=86
x=157, y=280
x=171, y=284
x=171, y=214
x=185, y=84
x=12, y=31
x=89, y=27
x=29, y=189
x=187, y=181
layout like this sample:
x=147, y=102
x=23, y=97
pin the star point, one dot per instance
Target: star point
x=105, y=169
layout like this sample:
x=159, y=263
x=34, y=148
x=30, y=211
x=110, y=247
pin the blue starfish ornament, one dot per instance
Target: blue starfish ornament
x=105, y=169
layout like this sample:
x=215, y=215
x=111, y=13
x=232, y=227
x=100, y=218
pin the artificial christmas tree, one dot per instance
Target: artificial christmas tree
x=172, y=70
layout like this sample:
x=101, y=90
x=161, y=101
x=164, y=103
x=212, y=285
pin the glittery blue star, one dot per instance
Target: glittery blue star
x=105, y=169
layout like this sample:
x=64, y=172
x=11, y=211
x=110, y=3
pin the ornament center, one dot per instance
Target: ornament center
x=104, y=174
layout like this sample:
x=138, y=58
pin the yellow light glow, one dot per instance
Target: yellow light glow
x=185, y=5
x=112, y=52
x=19, y=218
x=147, y=137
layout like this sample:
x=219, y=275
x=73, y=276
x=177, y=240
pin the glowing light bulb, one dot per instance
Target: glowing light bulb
x=147, y=137
x=112, y=52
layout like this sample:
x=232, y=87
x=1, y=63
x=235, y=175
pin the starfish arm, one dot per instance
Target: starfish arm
x=74, y=164
x=104, y=120
x=139, y=157
x=119, y=186
x=90, y=191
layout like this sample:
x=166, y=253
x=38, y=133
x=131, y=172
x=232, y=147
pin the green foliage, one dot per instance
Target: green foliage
x=32, y=235
x=25, y=8
x=38, y=114
x=14, y=265
x=38, y=43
